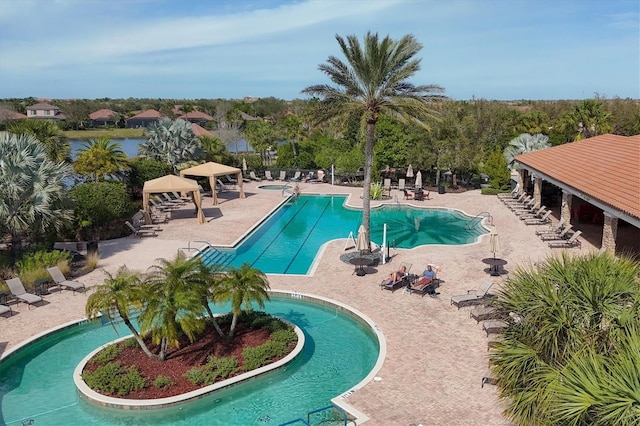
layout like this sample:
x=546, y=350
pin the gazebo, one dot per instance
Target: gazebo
x=171, y=183
x=212, y=171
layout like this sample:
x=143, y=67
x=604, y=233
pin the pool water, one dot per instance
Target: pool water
x=289, y=240
x=36, y=382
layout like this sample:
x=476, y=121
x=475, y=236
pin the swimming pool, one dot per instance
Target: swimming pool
x=36, y=381
x=289, y=240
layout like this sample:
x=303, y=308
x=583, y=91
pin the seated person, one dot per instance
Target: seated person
x=396, y=276
x=308, y=177
x=428, y=275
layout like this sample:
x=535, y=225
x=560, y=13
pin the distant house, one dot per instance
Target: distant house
x=103, y=117
x=197, y=117
x=7, y=115
x=143, y=119
x=199, y=130
x=44, y=111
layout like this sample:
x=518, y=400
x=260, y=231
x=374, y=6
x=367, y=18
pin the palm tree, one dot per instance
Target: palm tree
x=573, y=355
x=241, y=287
x=120, y=294
x=177, y=296
x=372, y=82
x=32, y=195
x=100, y=158
x=523, y=144
x=171, y=141
x=587, y=119
x=46, y=132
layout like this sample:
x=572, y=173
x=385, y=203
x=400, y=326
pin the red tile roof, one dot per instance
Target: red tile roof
x=199, y=130
x=7, y=114
x=150, y=113
x=196, y=115
x=42, y=106
x=102, y=114
x=605, y=168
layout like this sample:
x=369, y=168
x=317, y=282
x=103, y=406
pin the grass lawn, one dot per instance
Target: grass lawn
x=111, y=133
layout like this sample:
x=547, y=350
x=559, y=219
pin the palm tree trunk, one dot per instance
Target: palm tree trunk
x=232, y=330
x=366, y=195
x=213, y=320
x=143, y=346
x=163, y=349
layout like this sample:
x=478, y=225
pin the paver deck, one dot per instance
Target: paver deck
x=436, y=355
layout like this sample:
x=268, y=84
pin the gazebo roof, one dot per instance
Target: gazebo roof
x=604, y=169
x=170, y=183
x=210, y=169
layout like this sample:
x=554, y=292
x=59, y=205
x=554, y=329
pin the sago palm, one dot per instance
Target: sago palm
x=176, y=299
x=242, y=287
x=572, y=358
x=373, y=81
x=120, y=295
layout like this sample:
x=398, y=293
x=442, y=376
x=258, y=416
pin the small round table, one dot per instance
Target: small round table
x=360, y=263
x=495, y=265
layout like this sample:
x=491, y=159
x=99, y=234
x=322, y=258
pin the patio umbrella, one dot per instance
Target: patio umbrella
x=361, y=242
x=494, y=243
x=419, y=179
x=410, y=171
x=244, y=165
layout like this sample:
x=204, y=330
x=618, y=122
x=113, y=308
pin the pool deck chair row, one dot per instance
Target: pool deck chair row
x=61, y=281
x=17, y=289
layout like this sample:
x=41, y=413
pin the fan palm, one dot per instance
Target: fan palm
x=171, y=141
x=47, y=133
x=573, y=356
x=101, y=157
x=32, y=194
x=523, y=144
x=176, y=299
x=120, y=294
x=372, y=82
x=242, y=287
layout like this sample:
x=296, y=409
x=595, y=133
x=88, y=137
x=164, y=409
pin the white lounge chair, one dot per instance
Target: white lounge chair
x=401, y=183
x=253, y=176
x=283, y=175
x=473, y=297
x=296, y=176
x=17, y=289
x=61, y=281
x=267, y=175
x=4, y=309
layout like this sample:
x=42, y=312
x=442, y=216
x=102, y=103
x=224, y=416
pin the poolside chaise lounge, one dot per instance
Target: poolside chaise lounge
x=283, y=175
x=17, y=289
x=172, y=200
x=488, y=379
x=401, y=184
x=551, y=229
x=220, y=186
x=296, y=176
x=513, y=194
x=483, y=313
x=388, y=284
x=539, y=221
x=61, y=281
x=535, y=214
x=494, y=326
x=141, y=232
x=253, y=176
x=5, y=308
x=473, y=297
x=562, y=235
x=571, y=242
x=267, y=175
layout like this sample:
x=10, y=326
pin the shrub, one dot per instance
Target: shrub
x=107, y=354
x=492, y=191
x=99, y=203
x=162, y=382
x=92, y=260
x=261, y=355
x=223, y=367
x=377, y=191
x=112, y=379
x=131, y=342
x=196, y=375
x=286, y=336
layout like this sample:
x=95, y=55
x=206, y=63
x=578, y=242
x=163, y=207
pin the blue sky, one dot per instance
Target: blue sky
x=491, y=49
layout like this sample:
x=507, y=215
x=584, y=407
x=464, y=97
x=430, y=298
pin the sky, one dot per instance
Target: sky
x=230, y=49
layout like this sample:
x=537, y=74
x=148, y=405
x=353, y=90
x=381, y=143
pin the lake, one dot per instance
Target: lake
x=130, y=146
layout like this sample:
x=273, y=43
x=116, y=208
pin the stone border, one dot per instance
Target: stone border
x=148, y=404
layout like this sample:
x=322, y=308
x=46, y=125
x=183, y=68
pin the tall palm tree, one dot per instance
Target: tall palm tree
x=100, y=158
x=121, y=294
x=171, y=141
x=46, y=132
x=241, y=287
x=588, y=118
x=573, y=356
x=523, y=144
x=32, y=194
x=176, y=299
x=374, y=81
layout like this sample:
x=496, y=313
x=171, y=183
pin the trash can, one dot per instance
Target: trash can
x=92, y=248
x=441, y=189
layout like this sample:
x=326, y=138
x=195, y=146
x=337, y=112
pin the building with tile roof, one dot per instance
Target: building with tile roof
x=8, y=114
x=44, y=111
x=143, y=119
x=602, y=172
x=199, y=130
x=197, y=117
x=103, y=117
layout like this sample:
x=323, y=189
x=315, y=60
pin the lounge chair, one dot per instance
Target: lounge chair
x=137, y=221
x=177, y=196
x=488, y=379
x=61, y=281
x=483, y=313
x=296, y=177
x=552, y=229
x=176, y=201
x=141, y=232
x=494, y=340
x=535, y=214
x=389, y=284
x=401, y=183
x=253, y=176
x=4, y=309
x=571, y=242
x=267, y=175
x=527, y=205
x=231, y=180
x=494, y=326
x=220, y=186
x=513, y=194
x=283, y=175
x=539, y=221
x=562, y=235
x=520, y=199
x=17, y=289
x=159, y=205
x=387, y=185
x=473, y=297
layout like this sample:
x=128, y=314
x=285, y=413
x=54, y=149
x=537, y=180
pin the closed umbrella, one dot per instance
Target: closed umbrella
x=361, y=242
x=494, y=243
x=419, y=179
x=409, y=171
x=244, y=164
